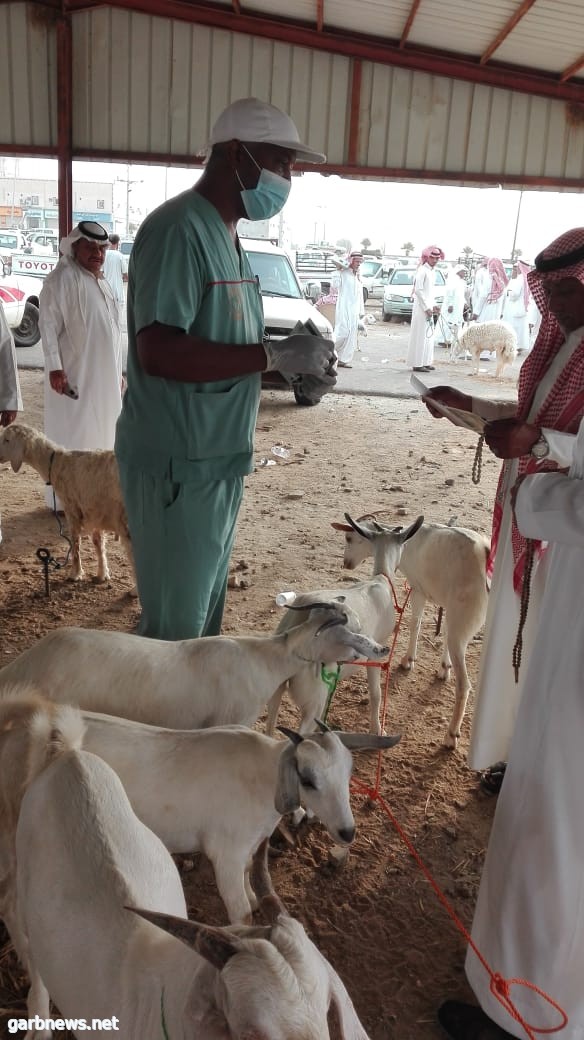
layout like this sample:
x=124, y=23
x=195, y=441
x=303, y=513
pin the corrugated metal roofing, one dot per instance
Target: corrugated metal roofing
x=150, y=87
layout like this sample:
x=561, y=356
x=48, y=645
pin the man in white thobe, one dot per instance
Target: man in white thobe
x=452, y=311
x=421, y=342
x=515, y=307
x=10, y=399
x=527, y=923
x=489, y=290
x=80, y=329
x=113, y=269
x=551, y=400
x=350, y=307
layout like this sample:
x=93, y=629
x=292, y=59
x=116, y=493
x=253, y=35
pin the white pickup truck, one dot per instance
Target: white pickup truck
x=34, y=266
x=20, y=298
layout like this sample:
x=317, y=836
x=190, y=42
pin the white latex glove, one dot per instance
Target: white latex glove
x=314, y=387
x=301, y=354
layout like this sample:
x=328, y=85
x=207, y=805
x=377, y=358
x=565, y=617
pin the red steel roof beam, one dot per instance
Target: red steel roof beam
x=236, y=6
x=65, y=122
x=507, y=28
x=572, y=69
x=368, y=48
x=319, y=15
x=409, y=23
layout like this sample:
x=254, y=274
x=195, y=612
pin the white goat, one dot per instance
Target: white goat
x=372, y=602
x=497, y=336
x=212, y=681
x=220, y=791
x=446, y=565
x=87, y=482
x=97, y=895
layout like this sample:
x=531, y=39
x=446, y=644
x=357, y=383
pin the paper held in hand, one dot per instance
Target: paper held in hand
x=468, y=420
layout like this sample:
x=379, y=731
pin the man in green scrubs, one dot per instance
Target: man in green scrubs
x=184, y=439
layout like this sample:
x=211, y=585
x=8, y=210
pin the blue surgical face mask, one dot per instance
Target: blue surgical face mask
x=269, y=195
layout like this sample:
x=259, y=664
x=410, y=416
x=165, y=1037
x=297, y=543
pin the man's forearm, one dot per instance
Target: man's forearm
x=169, y=353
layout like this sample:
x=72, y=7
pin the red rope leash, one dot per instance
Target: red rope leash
x=499, y=986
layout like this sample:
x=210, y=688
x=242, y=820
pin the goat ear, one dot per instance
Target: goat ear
x=216, y=945
x=16, y=463
x=410, y=531
x=367, y=741
x=322, y=726
x=340, y=527
x=288, y=789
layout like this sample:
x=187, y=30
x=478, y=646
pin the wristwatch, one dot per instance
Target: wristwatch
x=541, y=448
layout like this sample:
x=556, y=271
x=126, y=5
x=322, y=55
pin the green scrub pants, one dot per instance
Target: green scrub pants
x=182, y=537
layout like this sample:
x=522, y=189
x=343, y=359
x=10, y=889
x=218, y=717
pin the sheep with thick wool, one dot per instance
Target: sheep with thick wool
x=495, y=336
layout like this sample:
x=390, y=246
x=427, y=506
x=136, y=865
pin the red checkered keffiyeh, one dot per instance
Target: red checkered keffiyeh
x=563, y=408
x=498, y=279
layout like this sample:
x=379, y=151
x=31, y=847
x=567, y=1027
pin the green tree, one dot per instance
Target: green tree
x=365, y=242
x=516, y=254
x=408, y=247
x=468, y=250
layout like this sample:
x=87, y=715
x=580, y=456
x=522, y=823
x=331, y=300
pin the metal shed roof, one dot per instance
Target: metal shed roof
x=453, y=91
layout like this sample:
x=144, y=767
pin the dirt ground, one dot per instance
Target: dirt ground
x=377, y=918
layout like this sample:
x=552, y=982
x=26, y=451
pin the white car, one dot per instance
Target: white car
x=125, y=248
x=20, y=297
x=283, y=301
x=11, y=241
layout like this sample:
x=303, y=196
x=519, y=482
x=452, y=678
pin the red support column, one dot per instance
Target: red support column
x=65, y=122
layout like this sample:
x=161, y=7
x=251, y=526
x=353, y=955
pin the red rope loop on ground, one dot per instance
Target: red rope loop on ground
x=499, y=986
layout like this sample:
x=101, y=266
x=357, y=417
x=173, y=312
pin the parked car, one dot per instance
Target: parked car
x=20, y=297
x=41, y=243
x=283, y=301
x=397, y=296
x=12, y=240
x=375, y=275
x=125, y=247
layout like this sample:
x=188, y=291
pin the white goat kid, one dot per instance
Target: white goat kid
x=212, y=681
x=87, y=483
x=494, y=336
x=219, y=791
x=446, y=565
x=96, y=889
x=372, y=602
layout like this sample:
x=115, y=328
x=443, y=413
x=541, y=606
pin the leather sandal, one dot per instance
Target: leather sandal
x=492, y=778
x=466, y=1022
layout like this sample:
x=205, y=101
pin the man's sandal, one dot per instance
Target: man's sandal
x=466, y=1022
x=492, y=778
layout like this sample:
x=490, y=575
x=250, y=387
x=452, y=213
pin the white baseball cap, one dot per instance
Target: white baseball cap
x=254, y=121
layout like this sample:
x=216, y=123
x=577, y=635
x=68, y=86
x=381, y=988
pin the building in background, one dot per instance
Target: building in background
x=30, y=203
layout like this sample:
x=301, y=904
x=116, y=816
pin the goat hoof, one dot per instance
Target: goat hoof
x=444, y=673
x=407, y=664
x=450, y=741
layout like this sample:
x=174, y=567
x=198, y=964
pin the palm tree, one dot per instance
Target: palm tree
x=516, y=254
x=408, y=247
x=468, y=250
x=365, y=242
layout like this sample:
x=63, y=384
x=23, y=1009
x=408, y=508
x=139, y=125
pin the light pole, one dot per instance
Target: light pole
x=513, y=257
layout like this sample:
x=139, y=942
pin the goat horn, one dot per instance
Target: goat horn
x=412, y=529
x=322, y=726
x=270, y=905
x=292, y=735
x=357, y=527
x=331, y=623
x=214, y=944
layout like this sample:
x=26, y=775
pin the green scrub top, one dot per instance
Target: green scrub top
x=185, y=272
